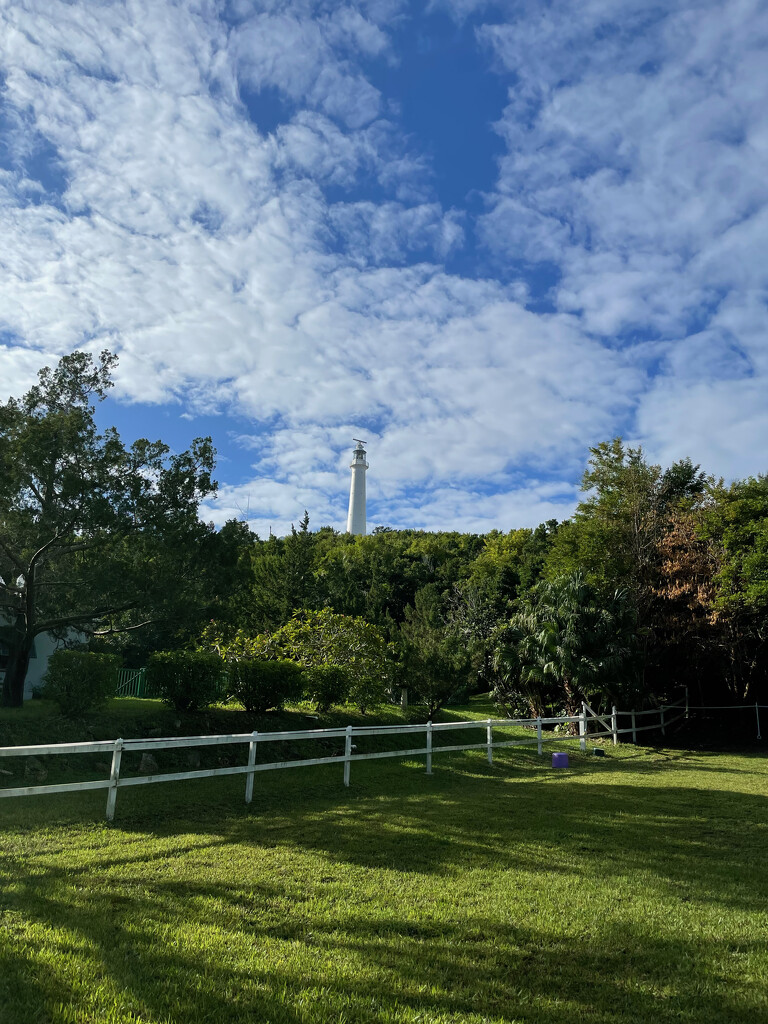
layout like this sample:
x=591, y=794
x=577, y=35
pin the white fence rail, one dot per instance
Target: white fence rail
x=118, y=747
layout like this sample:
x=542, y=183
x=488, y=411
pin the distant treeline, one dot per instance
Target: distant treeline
x=659, y=580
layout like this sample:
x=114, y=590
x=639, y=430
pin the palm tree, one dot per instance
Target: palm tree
x=567, y=643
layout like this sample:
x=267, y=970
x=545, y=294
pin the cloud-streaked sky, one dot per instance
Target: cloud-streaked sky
x=482, y=235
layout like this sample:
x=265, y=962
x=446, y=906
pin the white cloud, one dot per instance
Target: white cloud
x=636, y=139
x=208, y=253
x=19, y=369
x=308, y=59
x=640, y=149
x=723, y=425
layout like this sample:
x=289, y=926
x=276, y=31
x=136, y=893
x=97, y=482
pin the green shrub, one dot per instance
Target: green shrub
x=78, y=680
x=260, y=685
x=325, y=685
x=325, y=638
x=187, y=680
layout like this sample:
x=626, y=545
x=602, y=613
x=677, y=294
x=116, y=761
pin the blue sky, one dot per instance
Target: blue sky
x=483, y=236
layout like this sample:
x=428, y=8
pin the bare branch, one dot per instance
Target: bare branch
x=73, y=620
x=125, y=629
x=41, y=551
x=36, y=493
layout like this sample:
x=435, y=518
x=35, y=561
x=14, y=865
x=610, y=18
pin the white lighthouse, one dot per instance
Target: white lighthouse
x=356, y=515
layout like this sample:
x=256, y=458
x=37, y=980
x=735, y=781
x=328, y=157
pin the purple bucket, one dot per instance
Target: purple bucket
x=559, y=760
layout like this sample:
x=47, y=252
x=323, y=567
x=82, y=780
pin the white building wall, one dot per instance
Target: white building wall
x=44, y=647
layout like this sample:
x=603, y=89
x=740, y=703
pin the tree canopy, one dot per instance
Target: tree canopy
x=94, y=536
x=659, y=579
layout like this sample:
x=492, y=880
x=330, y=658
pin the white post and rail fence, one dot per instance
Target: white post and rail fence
x=590, y=725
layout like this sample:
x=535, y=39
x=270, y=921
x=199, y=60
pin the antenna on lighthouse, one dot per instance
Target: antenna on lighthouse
x=356, y=514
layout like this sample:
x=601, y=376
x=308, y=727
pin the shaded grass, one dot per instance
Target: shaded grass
x=39, y=722
x=626, y=888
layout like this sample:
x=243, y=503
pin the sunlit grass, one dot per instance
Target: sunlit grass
x=626, y=888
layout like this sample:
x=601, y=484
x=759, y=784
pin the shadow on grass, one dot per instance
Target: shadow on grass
x=170, y=933
x=516, y=813
x=229, y=966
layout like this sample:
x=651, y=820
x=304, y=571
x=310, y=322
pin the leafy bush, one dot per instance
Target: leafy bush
x=78, y=681
x=325, y=638
x=187, y=680
x=260, y=685
x=231, y=646
x=325, y=685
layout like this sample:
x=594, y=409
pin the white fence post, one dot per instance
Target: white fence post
x=347, y=754
x=757, y=716
x=251, y=763
x=256, y=740
x=663, y=730
x=114, y=779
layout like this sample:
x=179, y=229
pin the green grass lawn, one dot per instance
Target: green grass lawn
x=627, y=888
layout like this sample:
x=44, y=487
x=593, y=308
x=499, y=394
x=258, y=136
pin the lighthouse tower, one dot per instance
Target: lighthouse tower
x=356, y=515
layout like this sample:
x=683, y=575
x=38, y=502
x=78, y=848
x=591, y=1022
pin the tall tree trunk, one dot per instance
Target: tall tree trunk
x=572, y=704
x=16, y=674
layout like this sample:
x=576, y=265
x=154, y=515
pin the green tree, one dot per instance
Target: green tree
x=94, y=536
x=614, y=535
x=298, y=567
x=228, y=574
x=317, y=638
x=734, y=524
x=283, y=578
x=736, y=519
x=435, y=661
x=567, y=643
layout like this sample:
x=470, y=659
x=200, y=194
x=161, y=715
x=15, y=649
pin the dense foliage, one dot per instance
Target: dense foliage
x=260, y=685
x=95, y=537
x=80, y=681
x=658, y=580
x=326, y=685
x=435, y=661
x=568, y=643
x=348, y=642
x=187, y=680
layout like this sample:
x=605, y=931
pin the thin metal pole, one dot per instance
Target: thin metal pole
x=634, y=727
x=347, y=754
x=538, y=735
x=429, y=747
x=615, y=725
x=251, y=763
x=686, y=702
x=114, y=779
x=757, y=716
x=583, y=727
x=663, y=730
x=489, y=740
